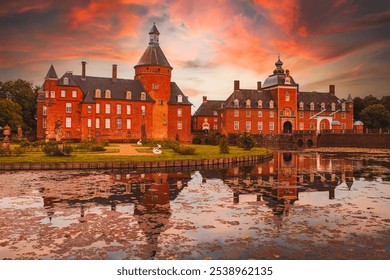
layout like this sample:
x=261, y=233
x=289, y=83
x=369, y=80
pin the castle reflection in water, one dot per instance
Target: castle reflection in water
x=275, y=184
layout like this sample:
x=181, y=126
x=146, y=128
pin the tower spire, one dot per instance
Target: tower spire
x=154, y=34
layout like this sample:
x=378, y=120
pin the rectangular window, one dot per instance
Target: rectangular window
x=343, y=115
x=301, y=115
x=46, y=94
x=236, y=113
x=108, y=123
x=118, y=123
x=63, y=93
x=69, y=107
x=236, y=125
x=248, y=113
x=179, y=112
x=215, y=113
x=108, y=108
x=248, y=126
x=44, y=110
x=260, y=126
x=155, y=86
x=68, y=122
x=301, y=126
x=89, y=123
x=260, y=114
x=53, y=94
x=271, y=114
x=128, y=123
x=179, y=125
x=74, y=93
x=97, y=108
x=118, y=109
x=97, y=122
x=343, y=126
x=143, y=110
x=271, y=126
x=128, y=109
x=215, y=127
x=44, y=124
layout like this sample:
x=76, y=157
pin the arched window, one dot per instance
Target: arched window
x=260, y=104
x=301, y=105
x=180, y=98
x=236, y=103
x=271, y=104
x=322, y=106
x=107, y=93
x=333, y=105
x=128, y=94
x=98, y=93
x=248, y=103
x=143, y=96
x=287, y=96
x=66, y=81
x=311, y=106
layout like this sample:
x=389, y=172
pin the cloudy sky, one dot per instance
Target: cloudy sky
x=208, y=43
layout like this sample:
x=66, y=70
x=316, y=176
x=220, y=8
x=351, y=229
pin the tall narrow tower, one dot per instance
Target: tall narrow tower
x=154, y=71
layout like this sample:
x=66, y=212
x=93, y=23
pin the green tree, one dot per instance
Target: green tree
x=358, y=106
x=223, y=145
x=246, y=141
x=375, y=116
x=10, y=113
x=370, y=100
x=24, y=94
x=386, y=102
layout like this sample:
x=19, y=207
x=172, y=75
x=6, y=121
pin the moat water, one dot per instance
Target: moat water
x=296, y=206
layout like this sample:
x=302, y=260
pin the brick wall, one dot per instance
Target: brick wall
x=381, y=141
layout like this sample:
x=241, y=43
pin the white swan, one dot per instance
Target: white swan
x=139, y=142
x=157, y=151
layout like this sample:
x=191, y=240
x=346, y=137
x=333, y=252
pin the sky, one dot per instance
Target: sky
x=209, y=44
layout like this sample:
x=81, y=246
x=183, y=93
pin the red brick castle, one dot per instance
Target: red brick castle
x=150, y=106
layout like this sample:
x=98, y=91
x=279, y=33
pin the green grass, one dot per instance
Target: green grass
x=202, y=152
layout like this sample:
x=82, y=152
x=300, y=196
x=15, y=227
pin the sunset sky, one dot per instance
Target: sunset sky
x=208, y=43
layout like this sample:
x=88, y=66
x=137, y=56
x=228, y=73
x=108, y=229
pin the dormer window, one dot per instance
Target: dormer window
x=180, y=98
x=143, y=96
x=333, y=105
x=271, y=104
x=311, y=106
x=107, y=93
x=322, y=106
x=236, y=103
x=66, y=81
x=215, y=113
x=301, y=105
x=98, y=93
x=343, y=107
x=248, y=103
x=260, y=104
x=128, y=94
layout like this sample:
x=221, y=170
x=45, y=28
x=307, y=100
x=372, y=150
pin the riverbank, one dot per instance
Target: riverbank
x=348, y=150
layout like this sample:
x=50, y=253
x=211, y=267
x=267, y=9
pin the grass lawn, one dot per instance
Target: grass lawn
x=202, y=152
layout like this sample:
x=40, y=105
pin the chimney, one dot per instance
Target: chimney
x=204, y=99
x=83, y=69
x=332, y=89
x=258, y=85
x=114, y=72
x=236, y=85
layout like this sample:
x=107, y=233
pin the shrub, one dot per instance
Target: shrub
x=213, y=138
x=223, y=146
x=67, y=150
x=51, y=149
x=18, y=151
x=185, y=150
x=4, y=152
x=97, y=148
x=246, y=141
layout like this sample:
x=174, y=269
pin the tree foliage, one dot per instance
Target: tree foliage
x=246, y=141
x=376, y=116
x=10, y=113
x=22, y=93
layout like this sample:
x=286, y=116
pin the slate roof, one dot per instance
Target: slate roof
x=153, y=56
x=279, y=76
x=317, y=98
x=154, y=30
x=175, y=92
x=207, y=108
x=253, y=95
x=118, y=87
x=51, y=74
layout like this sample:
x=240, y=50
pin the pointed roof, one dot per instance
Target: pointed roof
x=88, y=98
x=154, y=30
x=349, y=99
x=51, y=74
x=153, y=55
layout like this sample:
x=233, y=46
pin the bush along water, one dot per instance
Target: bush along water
x=246, y=141
x=53, y=149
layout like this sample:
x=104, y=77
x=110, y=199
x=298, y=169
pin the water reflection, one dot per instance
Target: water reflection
x=129, y=214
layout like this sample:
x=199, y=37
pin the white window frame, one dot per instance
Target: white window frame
x=89, y=123
x=179, y=125
x=68, y=107
x=63, y=93
x=97, y=108
x=236, y=113
x=74, y=93
x=128, y=123
x=89, y=109
x=118, y=123
x=179, y=112
x=108, y=108
x=287, y=96
x=44, y=110
x=271, y=126
x=68, y=122
x=107, y=123
x=52, y=94
x=143, y=96
x=236, y=125
x=118, y=109
x=143, y=110
x=128, y=94
x=248, y=126
x=128, y=109
x=301, y=126
x=271, y=114
x=97, y=123
x=259, y=126
x=98, y=93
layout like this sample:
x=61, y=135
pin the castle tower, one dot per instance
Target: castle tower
x=154, y=71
